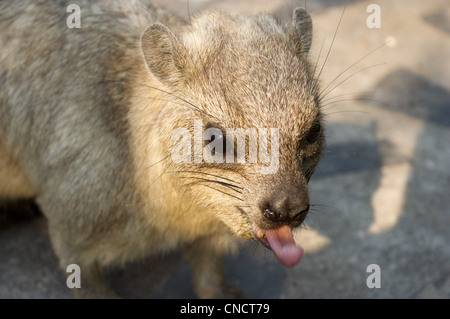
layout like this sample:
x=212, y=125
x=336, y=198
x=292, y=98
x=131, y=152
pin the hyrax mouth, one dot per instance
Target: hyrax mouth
x=260, y=235
x=281, y=241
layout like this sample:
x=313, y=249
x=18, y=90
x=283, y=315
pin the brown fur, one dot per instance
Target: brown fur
x=86, y=117
x=18, y=185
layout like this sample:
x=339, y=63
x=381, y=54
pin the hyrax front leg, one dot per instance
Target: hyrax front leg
x=92, y=280
x=93, y=284
x=207, y=271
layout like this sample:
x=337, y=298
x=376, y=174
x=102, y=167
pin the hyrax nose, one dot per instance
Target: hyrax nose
x=286, y=211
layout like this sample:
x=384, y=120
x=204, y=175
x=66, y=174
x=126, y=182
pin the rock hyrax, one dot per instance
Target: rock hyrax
x=138, y=133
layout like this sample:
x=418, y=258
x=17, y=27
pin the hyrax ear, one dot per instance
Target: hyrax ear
x=302, y=31
x=164, y=54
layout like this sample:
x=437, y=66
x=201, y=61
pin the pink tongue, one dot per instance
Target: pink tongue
x=283, y=246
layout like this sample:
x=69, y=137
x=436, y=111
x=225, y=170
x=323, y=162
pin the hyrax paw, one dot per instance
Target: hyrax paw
x=229, y=291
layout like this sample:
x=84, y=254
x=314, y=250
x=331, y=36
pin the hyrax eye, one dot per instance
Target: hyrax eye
x=314, y=133
x=216, y=141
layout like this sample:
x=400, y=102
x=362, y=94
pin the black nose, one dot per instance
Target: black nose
x=285, y=213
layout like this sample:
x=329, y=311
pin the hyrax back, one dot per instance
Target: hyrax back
x=90, y=119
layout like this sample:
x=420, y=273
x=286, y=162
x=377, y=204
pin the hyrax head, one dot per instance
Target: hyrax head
x=244, y=120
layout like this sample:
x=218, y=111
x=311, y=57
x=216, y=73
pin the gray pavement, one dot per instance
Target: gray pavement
x=380, y=195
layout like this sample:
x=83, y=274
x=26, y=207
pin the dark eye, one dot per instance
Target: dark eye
x=314, y=133
x=217, y=142
x=220, y=143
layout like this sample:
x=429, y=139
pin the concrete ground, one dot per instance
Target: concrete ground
x=380, y=195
